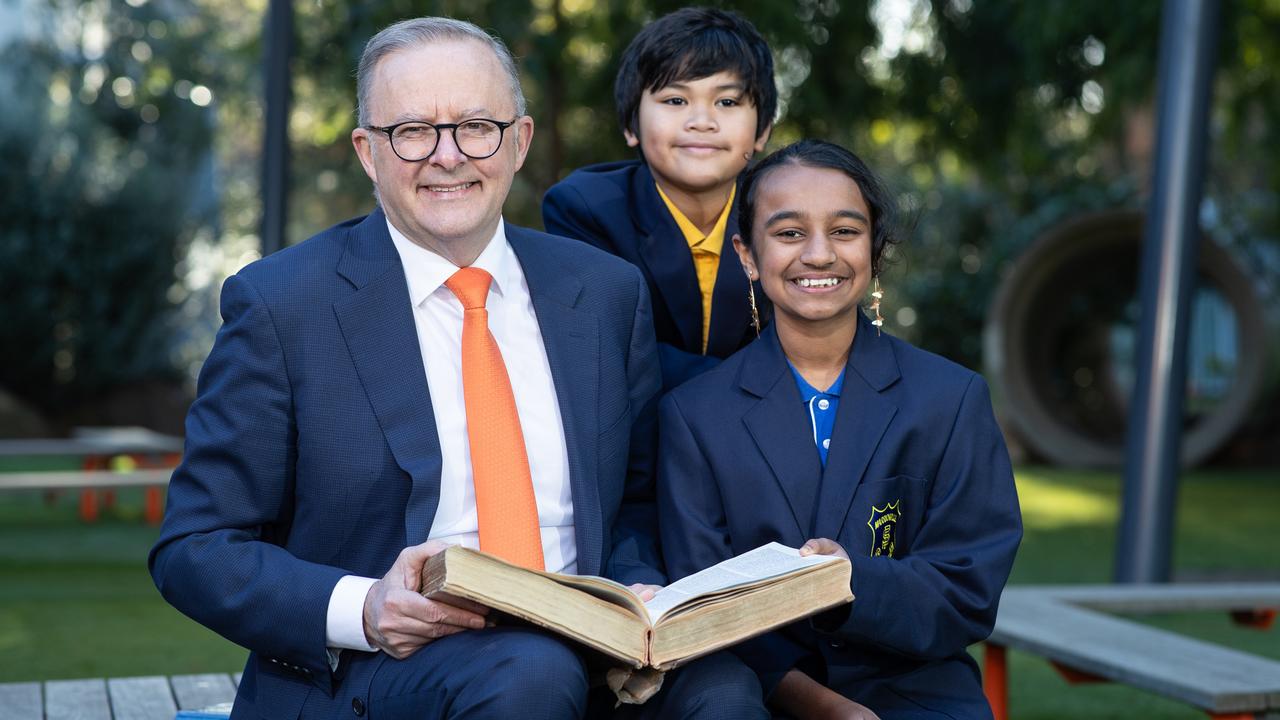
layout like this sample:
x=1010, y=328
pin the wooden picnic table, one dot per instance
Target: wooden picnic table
x=95, y=441
x=136, y=698
x=154, y=453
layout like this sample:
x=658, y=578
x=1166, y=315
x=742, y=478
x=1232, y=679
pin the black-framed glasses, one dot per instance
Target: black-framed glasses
x=416, y=140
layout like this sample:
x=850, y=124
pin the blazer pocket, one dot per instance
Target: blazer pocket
x=887, y=515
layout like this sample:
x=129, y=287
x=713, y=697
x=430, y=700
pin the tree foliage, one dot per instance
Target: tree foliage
x=98, y=196
x=993, y=118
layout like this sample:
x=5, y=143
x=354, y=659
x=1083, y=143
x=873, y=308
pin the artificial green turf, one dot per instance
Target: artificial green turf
x=76, y=600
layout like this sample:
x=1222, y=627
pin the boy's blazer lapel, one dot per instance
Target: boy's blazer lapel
x=731, y=314
x=665, y=256
x=572, y=340
x=780, y=428
x=382, y=339
x=861, y=420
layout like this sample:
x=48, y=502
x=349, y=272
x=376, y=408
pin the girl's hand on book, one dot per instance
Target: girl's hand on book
x=823, y=546
x=398, y=619
x=646, y=592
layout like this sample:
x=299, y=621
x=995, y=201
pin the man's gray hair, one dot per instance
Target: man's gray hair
x=423, y=31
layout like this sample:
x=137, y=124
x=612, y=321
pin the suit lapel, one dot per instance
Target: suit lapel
x=861, y=421
x=572, y=339
x=730, y=311
x=780, y=427
x=378, y=327
x=665, y=257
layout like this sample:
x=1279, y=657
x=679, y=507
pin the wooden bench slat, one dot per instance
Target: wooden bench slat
x=1202, y=674
x=1160, y=598
x=94, y=441
x=85, y=479
x=21, y=701
x=141, y=698
x=76, y=700
x=194, y=692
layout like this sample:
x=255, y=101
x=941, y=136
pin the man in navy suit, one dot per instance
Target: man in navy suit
x=328, y=452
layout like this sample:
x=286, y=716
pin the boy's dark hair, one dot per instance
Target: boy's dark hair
x=822, y=154
x=689, y=44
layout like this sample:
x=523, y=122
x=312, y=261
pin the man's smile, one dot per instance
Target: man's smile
x=450, y=190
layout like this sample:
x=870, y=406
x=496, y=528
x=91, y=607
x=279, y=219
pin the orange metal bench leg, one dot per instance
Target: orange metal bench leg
x=995, y=680
x=89, y=497
x=155, y=508
x=1259, y=619
x=88, y=505
x=153, y=498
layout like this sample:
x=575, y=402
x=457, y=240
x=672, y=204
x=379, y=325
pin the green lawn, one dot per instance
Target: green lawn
x=76, y=600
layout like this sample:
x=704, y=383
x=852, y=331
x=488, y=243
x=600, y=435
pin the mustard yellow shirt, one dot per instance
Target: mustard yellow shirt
x=706, y=251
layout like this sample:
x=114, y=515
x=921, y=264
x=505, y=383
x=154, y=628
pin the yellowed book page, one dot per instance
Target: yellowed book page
x=750, y=568
x=608, y=590
x=714, y=621
x=585, y=609
x=605, y=589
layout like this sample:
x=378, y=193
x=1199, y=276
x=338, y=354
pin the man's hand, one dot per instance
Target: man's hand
x=800, y=696
x=646, y=592
x=823, y=546
x=398, y=619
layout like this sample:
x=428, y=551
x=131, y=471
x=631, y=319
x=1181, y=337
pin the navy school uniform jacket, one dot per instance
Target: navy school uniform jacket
x=312, y=453
x=616, y=207
x=918, y=490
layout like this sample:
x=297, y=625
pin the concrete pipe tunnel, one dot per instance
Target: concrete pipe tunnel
x=1059, y=344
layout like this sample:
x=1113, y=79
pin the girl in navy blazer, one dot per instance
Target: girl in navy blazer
x=827, y=433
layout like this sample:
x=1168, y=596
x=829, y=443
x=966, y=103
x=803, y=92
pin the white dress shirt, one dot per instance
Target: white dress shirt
x=437, y=315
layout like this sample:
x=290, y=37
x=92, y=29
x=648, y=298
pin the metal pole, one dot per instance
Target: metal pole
x=1187, y=52
x=278, y=39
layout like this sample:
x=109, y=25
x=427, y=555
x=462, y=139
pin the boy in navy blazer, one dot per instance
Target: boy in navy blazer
x=695, y=94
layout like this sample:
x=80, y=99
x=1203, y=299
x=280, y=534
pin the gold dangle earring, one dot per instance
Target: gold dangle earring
x=751, y=298
x=876, y=296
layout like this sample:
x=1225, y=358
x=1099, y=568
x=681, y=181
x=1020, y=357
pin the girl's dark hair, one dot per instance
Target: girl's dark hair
x=689, y=44
x=822, y=154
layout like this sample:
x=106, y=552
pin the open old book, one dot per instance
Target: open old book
x=725, y=604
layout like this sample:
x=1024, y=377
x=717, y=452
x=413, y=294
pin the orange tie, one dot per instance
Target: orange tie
x=505, y=504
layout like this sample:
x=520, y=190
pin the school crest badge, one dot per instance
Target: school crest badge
x=884, y=528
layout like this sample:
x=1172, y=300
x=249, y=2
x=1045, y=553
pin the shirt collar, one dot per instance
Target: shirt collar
x=712, y=242
x=426, y=272
x=809, y=392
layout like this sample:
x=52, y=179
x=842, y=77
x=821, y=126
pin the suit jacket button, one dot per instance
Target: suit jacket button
x=837, y=644
x=357, y=707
